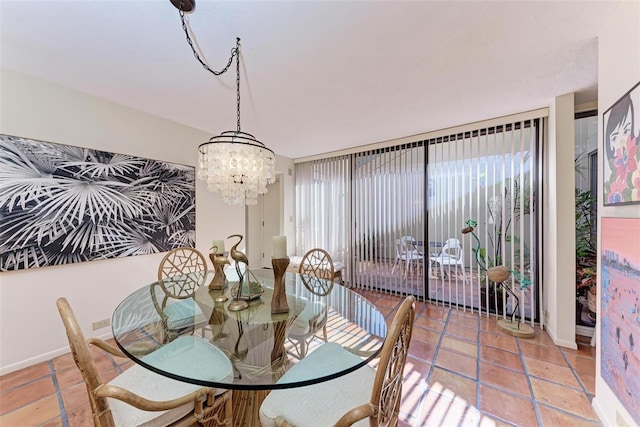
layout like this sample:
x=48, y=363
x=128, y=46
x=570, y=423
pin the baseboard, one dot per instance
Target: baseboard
x=595, y=404
x=585, y=331
x=33, y=360
x=42, y=357
x=561, y=343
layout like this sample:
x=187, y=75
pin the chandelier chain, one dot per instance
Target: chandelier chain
x=238, y=79
x=234, y=51
x=233, y=163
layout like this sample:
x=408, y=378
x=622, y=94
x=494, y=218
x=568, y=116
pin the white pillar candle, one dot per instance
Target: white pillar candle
x=279, y=247
x=220, y=245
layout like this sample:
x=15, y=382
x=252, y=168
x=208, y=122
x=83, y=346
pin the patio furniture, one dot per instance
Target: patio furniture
x=407, y=253
x=451, y=255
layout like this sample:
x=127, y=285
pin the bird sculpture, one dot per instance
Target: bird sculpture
x=470, y=227
x=238, y=257
x=500, y=275
x=219, y=280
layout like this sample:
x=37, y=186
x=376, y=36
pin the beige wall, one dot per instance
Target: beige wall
x=618, y=71
x=30, y=329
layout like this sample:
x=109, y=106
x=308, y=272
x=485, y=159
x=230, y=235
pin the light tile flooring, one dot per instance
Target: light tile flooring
x=461, y=371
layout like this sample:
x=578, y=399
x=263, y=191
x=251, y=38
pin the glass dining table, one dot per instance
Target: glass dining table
x=254, y=348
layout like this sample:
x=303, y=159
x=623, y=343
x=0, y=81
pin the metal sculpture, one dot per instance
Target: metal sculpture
x=238, y=257
x=500, y=275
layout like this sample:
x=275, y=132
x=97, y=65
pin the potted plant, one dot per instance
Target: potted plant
x=586, y=254
x=491, y=254
x=489, y=291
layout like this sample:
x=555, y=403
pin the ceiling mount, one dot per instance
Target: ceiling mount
x=184, y=5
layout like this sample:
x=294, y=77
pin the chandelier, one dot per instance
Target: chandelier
x=233, y=163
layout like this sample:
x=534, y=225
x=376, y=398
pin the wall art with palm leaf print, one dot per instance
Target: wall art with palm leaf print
x=61, y=204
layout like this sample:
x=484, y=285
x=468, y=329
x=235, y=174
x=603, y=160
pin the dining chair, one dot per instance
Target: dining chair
x=317, y=262
x=139, y=396
x=185, y=267
x=180, y=273
x=365, y=397
x=451, y=255
x=317, y=274
x=407, y=253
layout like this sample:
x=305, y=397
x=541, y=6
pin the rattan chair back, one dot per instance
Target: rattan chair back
x=182, y=271
x=317, y=264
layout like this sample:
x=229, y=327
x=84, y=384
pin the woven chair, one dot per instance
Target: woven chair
x=317, y=262
x=180, y=273
x=139, y=396
x=364, y=397
x=317, y=273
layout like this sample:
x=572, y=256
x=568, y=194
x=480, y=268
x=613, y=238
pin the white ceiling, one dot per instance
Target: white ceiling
x=317, y=76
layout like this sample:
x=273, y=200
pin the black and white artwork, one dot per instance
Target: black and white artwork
x=61, y=204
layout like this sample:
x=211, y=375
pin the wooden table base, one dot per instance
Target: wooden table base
x=246, y=407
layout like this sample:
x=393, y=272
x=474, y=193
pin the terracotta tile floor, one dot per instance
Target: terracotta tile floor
x=461, y=371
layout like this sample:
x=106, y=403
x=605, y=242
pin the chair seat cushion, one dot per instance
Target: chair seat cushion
x=184, y=356
x=324, y=403
x=301, y=325
x=183, y=313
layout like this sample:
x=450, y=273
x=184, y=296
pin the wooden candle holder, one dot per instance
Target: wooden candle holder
x=279, y=300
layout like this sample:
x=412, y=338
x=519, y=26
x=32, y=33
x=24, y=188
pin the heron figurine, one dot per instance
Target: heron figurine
x=219, y=281
x=238, y=256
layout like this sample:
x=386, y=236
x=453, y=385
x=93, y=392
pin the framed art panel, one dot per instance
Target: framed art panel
x=621, y=172
x=620, y=314
x=61, y=204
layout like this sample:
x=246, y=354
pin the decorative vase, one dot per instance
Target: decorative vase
x=279, y=299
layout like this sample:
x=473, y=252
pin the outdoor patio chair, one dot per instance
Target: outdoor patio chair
x=450, y=256
x=407, y=253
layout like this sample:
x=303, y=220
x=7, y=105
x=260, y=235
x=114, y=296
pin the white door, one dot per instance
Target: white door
x=264, y=223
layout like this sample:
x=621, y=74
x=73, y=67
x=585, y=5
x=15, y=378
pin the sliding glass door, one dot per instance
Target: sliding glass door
x=482, y=197
x=429, y=218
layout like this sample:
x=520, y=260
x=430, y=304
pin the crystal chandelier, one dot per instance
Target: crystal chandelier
x=233, y=163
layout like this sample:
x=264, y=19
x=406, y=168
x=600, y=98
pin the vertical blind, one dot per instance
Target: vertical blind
x=486, y=179
x=388, y=214
x=323, y=204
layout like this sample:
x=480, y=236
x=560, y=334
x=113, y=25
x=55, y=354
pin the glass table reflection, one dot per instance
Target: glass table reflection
x=254, y=341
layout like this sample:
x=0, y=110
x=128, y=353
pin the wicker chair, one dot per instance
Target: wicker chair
x=373, y=396
x=317, y=262
x=180, y=273
x=139, y=396
x=316, y=270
